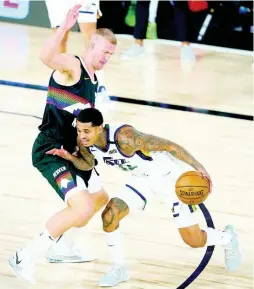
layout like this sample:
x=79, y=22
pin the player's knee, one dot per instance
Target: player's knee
x=110, y=222
x=115, y=210
x=109, y=217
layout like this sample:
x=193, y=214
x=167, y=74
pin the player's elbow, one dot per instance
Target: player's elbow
x=44, y=58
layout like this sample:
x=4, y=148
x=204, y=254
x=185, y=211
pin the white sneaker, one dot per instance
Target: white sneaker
x=60, y=253
x=135, y=51
x=117, y=274
x=22, y=266
x=233, y=256
x=187, y=54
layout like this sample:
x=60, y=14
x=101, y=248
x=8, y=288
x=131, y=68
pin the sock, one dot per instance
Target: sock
x=36, y=247
x=115, y=245
x=153, y=10
x=100, y=77
x=215, y=237
x=68, y=238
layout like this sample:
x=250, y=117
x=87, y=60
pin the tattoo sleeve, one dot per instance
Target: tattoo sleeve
x=85, y=153
x=85, y=160
x=81, y=164
x=115, y=210
x=131, y=140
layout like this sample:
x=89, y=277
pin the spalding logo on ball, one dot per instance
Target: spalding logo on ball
x=192, y=188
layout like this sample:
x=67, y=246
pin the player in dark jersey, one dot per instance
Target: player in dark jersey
x=72, y=87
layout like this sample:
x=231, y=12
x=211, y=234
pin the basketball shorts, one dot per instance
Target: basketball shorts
x=58, y=9
x=61, y=174
x=139, y=188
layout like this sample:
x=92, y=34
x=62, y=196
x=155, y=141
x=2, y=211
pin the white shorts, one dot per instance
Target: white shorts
x=58, y=9
x=94, y=185
x=139, y=188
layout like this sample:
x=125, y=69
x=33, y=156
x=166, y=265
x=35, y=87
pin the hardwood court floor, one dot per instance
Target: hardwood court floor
x=156, y=255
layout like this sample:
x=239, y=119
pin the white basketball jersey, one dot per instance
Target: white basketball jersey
x=156, y=164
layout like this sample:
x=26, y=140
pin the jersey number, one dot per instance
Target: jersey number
x=126, y=167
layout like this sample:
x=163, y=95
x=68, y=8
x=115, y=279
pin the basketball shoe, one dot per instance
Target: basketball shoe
x=116, y=274
x=233, y=256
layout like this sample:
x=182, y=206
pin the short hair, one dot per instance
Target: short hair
x=107, y=34
x=92, y=115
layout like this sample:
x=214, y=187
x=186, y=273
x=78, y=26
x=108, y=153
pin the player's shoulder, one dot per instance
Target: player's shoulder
x=125, y=128
x=125, y=131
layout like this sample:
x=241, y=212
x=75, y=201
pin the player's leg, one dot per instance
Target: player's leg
x=196, y=237
x=80, y=209
x=129, y=199
x=63, y=251
x=57, y=12
x=187, y=222
x=191, y=233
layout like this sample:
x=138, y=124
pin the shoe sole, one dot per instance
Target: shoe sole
x=106, y=285
x=69, y=261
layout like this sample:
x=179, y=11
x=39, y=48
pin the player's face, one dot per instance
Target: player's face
x=103, y=50
x=87, y=133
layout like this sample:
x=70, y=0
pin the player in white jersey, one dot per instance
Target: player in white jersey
x=154, y=164
x=87, y=19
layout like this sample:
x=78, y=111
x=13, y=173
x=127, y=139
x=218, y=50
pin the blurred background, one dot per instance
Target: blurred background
x=231, y=24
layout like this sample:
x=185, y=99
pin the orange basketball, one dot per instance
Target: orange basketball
x=192, y=188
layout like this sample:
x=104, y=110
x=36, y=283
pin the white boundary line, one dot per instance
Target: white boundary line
x=194, y=45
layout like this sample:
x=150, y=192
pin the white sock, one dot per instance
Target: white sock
x=68, y=238
x=115, y=245
x=215, y=237
x=37, y=247
x=100, y=77
x=153, y=10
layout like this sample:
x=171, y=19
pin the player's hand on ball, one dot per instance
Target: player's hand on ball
x=72, y=17
x=62, y=153
x=206, y=176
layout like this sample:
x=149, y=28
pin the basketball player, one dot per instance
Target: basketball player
x=87, y=20
x=155, y=165
x=72, y=87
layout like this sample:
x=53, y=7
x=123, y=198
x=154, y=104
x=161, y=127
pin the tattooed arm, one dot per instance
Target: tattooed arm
x=77, y=161
x=81, y=164
x=131, y=140
x=85, y=154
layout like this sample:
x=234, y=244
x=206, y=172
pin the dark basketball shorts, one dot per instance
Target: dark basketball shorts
x=61, y=174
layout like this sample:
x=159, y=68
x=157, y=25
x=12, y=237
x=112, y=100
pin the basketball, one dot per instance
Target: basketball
x=192, y=188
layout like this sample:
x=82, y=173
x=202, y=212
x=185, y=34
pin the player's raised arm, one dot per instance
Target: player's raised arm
x=49, y=54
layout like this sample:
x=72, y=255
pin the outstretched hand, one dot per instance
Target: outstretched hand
x=71, y=17
x=62, y=153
